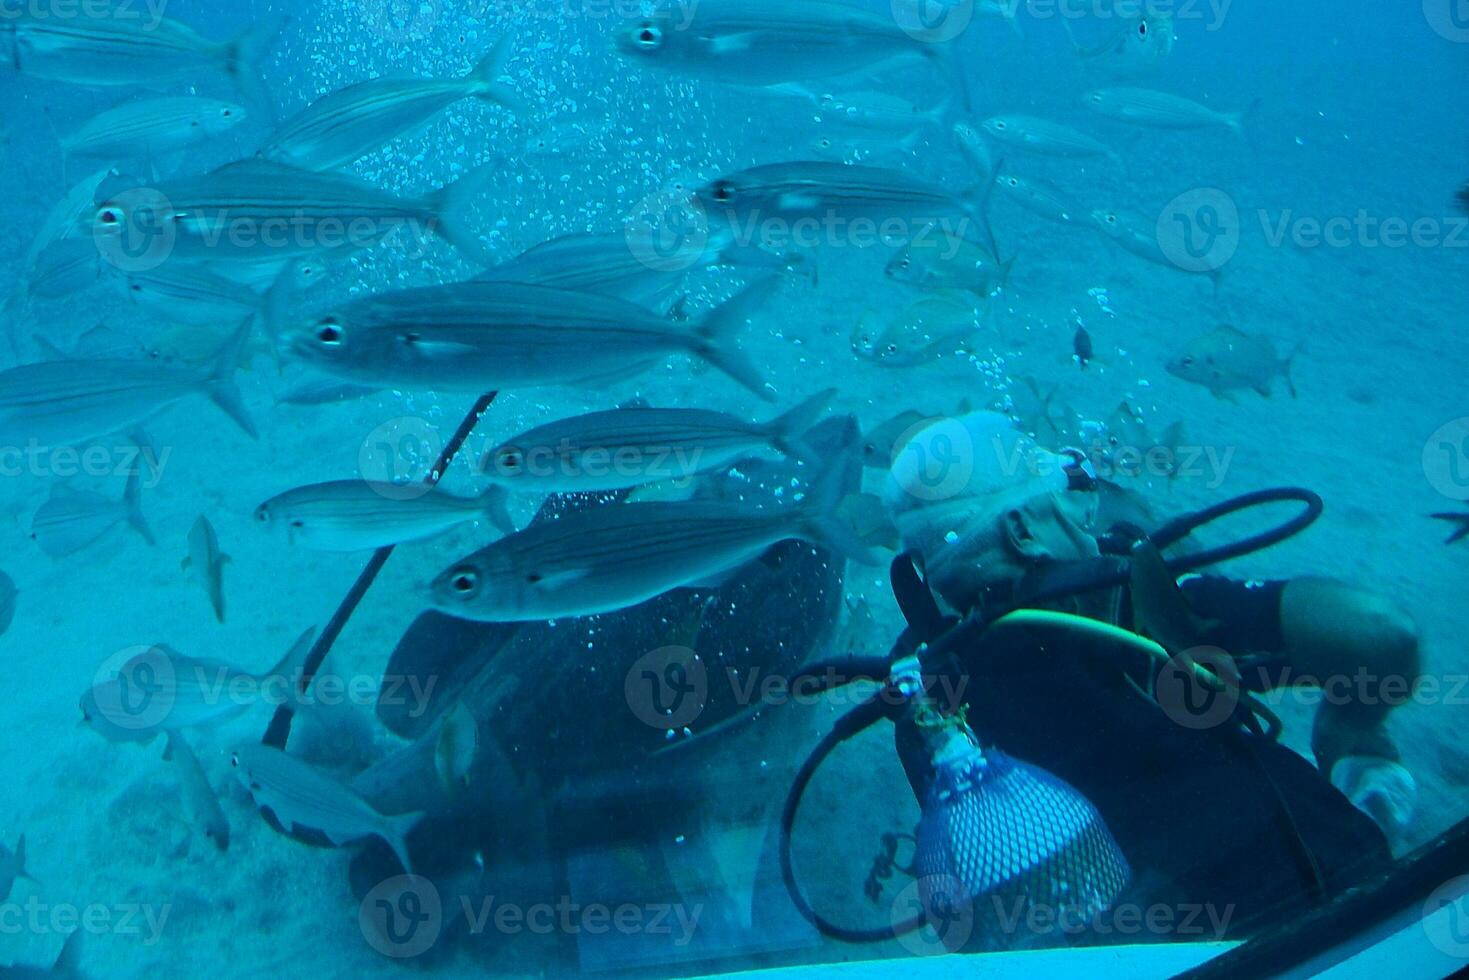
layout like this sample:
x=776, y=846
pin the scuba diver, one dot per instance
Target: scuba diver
x=1081, y=719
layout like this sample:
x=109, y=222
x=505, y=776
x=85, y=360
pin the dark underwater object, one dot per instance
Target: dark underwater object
x=1461, y=522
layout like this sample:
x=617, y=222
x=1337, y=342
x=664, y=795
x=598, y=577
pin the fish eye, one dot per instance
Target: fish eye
x=999, y=124
x=510, y=459
x=723, y=191
x=1142, y=28
x=650, y=37
x=534, y=578
x=465, y=582
x=1188, y=360
x=227, y=113
x=329, y=332
x=262, y=514
x=235, y=759
x=109, y=216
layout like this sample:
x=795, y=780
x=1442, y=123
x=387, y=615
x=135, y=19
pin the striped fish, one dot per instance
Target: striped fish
x=64, y=402
x=769, y=42
x=629, y=447
x=162, y=690
x=506, y=335
x=153, y=127
x=1161, y=110
x=1137, y=235
x=1045, y=138
x=1040, y=198
x=816, y=189
x=352, y=515
x=610, y=558
x=70, y=520
x=127, y=44
x=302, y=797
x=347, y=124
x=259, y=211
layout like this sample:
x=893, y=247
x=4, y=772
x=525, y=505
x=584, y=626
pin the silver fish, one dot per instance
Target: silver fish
x=1160, y=110
x=925, y=329
x=122, y=43
x=506, y=335
x=974, y=148
x=1040, y=198
x=159, y=689
x=820, y=191
x=353, y=515
x=201, y=803
x=261, y=211
x=1138, y=46
x=941, y=260
x=8, y=593
x=70, y=520
x=1046, y=138
x=629, y=447
x=154, y=127
x=302, y=797
x=613, y=557
x=60, y=403
x=60, y=222
x=766, y=42
x=350, y=123
x=207, y=563
x=12, y=866
x=192, y=295
x=1139, y=236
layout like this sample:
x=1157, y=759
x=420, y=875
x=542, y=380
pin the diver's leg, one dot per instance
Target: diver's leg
x=1363, y=650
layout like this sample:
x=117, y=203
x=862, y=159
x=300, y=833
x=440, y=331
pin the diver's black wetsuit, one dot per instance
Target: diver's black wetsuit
x=1203, y=814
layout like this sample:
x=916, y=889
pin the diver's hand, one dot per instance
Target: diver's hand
x=1380, y=788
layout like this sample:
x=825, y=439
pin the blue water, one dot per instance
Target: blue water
x=1353, y=115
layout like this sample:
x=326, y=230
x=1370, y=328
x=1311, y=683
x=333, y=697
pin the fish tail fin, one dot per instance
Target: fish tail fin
x=1285, y=367
x=220, y=385
x=69, y=960
x=495, y=504
x=485, y=79
x=825, y=522
x=295, y=657
x=450, y=206
x=395, y=833
x=20, y=860
x=242, y=58
x=787, y=429
x=714, y=337
x=976, y=203
x=132, y=498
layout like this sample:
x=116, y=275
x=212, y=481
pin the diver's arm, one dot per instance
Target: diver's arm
x=1364, y=652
